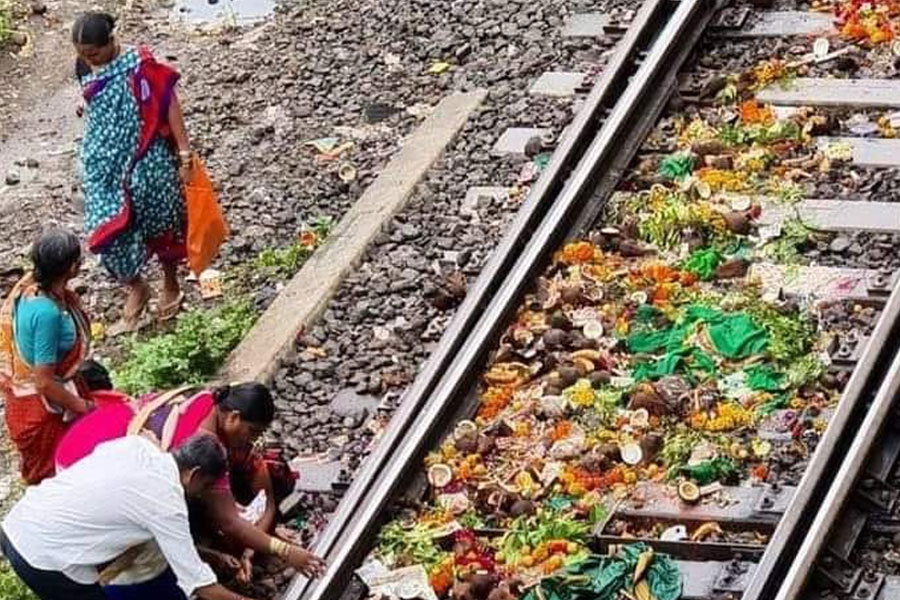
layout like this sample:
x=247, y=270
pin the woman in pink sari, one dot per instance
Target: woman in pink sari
x=237, y=415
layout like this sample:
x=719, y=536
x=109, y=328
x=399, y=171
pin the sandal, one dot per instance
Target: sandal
x=169, y=311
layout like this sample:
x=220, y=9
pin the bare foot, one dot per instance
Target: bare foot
x=138, y=297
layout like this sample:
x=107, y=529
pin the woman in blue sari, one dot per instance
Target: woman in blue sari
x=135, y=154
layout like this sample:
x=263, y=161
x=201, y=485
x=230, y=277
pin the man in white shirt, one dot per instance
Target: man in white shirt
x=126, y=493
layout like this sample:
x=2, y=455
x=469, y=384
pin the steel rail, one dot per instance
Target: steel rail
x=837, y=464
x=607, y=155
x=572, y=146
x=801, y=531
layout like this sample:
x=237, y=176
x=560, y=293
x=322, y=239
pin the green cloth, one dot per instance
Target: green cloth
x=732, y=335
x=703, y=263
x=648, y=342
x=603, y=577
x=645, y=314
x=686, y=359
x=737, y=336
x=764, y=378
x=560, y=502
x=677, y=166
x=708, y=471
x=776, y=403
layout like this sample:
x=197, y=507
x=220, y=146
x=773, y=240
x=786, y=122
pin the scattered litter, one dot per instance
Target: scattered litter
x=821, y=47
x=438, y=68
x=860, y=125
x=98, y=330
x=328, y=148
x=676, y=533
x=324, y=145
x=347, y=173
x=210, y=284
x=370, y=570
x=406, y=583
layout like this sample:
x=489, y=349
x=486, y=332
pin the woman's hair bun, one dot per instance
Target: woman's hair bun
x=221, y=393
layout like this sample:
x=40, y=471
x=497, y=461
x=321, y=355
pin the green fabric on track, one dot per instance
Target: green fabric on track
x=677, y=166
x=603, y=577
x=708, y=471
x=737, y=336
x=703, y=263
x=764, y=378
x=732, y=335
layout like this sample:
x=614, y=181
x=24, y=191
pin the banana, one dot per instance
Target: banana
x=644, y=559
x=704, y=531
x=642, y=590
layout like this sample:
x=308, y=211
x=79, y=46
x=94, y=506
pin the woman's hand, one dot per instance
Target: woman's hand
x=245, y=574
x=185, y=166
x=305, y=561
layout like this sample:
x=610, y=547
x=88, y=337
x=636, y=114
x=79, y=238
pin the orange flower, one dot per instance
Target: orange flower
x=759, y=472
x=753, y=113
x=577, y=253
x=661, y=294
x=561, y=430
x=441, y=582
x=308, y=239
x=493, y=400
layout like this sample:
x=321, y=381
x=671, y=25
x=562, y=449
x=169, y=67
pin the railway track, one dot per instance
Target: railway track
x=762, y=466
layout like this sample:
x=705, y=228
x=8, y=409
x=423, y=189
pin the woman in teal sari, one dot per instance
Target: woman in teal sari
x=134, y=156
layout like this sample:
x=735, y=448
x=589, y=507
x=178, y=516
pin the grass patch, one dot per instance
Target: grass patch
x=189, y=354
x=11, y=587
x=197, y=347
x=9, y=15
x=284, y=262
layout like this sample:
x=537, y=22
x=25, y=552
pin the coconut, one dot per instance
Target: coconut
x=468, y=443
x=737, y=222
x=439, y=475
x=522, y=507
x=609, y=451
x=645, y=397
x=689, y=492
x=486, y=444
x=651, y=444
x=559, y=320
x=600, y=378
x=571, y=294
x=554, y=338
x=631, y=453
x=568, y=375
x=481, y=585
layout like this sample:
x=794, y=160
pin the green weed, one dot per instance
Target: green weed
x=11, y=587
x=189, y=354
x=284, y=262
x=196, y=348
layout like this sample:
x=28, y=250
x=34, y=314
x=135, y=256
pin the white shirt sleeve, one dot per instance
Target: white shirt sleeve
x=172, y=532
x=157, y=504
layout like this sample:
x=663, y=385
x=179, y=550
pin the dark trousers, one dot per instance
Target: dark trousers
x=47, y=585
x=164, y=587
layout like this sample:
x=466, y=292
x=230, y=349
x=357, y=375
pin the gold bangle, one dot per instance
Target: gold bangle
x=278, y=547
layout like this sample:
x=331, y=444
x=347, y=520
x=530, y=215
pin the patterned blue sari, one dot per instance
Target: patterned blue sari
x=133, y=200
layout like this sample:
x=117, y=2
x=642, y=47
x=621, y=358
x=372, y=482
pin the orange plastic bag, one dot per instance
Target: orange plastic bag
x=206, y=226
